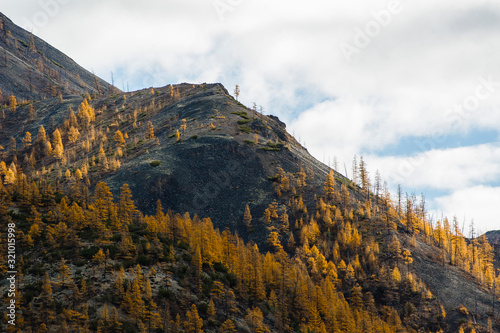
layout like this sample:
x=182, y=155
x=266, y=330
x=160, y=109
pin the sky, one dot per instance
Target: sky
x=412, y=86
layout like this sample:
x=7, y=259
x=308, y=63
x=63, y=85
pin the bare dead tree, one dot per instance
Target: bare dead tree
x=97, y=85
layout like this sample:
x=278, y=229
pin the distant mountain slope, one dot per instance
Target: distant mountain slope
x=31, y=69
x=493, y=237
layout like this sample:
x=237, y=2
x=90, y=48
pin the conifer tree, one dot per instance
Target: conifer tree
x=64, y=272
x=120, y=141
x=78, y=175
x=46, y=148
x=47, y=298
x=228, y=326
x=42, y=136
x=255, y=318
x=211, y=310
x=10, y=177
x=26, y=140
x=150, y=131
x=126, y=206
x=12, y=103
x=57, y=144
x=247, y=218
x=99, y=257
x=103, y=201
x=330, y=185
x=394, y=247
x=13, y=145
x=193, y=323
x=237, y=91
x=407, y=259
x=73, y=134
x=273, y=240
x=363, y=176
x=198, y=265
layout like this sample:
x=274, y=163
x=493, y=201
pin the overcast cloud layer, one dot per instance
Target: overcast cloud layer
x=414, y=86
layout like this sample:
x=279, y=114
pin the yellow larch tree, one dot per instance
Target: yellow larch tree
x=42, y=136
x=26, y=140
x=57, y=144
x=193, y=323
x=12, y=103
x=120, y=141
x=150, y=133
x=73, y=134
x=78, y=175
x=330, y=185
x=228, y=326
x=64, y=272
x=247, y=218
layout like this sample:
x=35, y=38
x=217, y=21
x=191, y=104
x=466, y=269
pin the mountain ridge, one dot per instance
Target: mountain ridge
x=33, y=70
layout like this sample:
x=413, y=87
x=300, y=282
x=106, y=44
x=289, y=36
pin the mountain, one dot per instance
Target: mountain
x=493, y=237
x=178, y=208
x=32, y=69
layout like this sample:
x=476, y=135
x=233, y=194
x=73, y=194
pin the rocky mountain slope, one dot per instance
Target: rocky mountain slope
x=323, y=253
x=31, y=69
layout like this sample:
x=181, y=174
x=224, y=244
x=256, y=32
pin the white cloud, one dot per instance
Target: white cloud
x=442, y=169
x=479, y=203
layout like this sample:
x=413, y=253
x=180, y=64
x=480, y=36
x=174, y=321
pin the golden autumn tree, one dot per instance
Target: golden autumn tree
x=193, y=322
x=150, y=133
x=99, y=257
x=42, y=136
x=247, y=218
x=329, y=186
x=120, y=141
x=274, y=241
x=73, y=134
x=396, y=275
x=10, y=177
x=103, y=201
x=57, y=144
x=86, y=113
x=255, y=319
x=228, y=326
x=78, y=175
x=126, y=206
x=407, y=259
x=211, y=311
x=12, y=103
x=26, y=140
x=64, y=272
